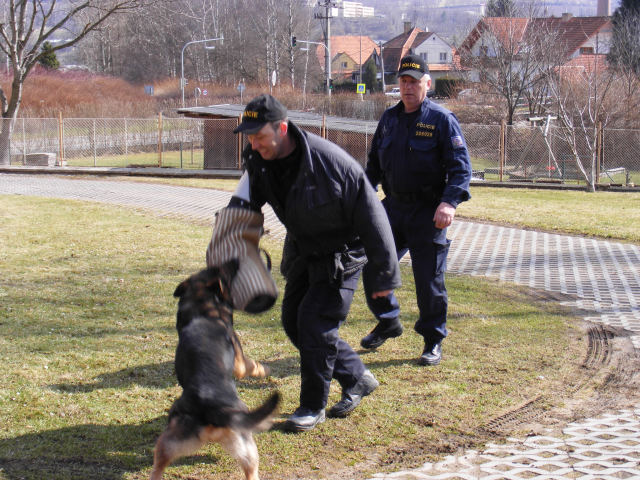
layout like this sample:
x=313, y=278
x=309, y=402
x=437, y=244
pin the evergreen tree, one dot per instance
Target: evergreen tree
x=625, y=41
x=501, y=8
x=49, y=60
x=370, y=74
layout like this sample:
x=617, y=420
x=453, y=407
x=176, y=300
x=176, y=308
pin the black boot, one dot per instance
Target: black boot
x=304, y=419
x=351, y=398
x=432, y=354
x=381, y=333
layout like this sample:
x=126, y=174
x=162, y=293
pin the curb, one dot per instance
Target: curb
x=124, y=171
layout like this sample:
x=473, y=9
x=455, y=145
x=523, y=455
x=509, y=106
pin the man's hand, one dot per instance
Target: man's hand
x=381, y=294
x=444, y=215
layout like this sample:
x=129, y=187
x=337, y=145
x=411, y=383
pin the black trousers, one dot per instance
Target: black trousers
x=312, y=311
x=414, y=231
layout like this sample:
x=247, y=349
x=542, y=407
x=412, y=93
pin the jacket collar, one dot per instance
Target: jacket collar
x=399, y=107
x=306, y=166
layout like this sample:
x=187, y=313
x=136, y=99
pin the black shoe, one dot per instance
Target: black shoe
x=381, y=333
x=304, y=419
x=432, y=354
x=351, y=398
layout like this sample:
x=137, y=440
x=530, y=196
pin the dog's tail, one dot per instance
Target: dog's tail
x=259, y=419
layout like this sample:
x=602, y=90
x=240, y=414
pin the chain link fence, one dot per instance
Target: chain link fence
x=483, y=144
x=547, y=154
x=353, y=138
x=123, y=142
x=498, y=153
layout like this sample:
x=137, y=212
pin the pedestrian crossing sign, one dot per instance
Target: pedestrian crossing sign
x=360, y=88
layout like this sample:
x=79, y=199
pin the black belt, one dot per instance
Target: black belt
x=426, y=194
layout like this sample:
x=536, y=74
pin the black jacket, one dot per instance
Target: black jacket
x=331, y=212
x=431, y=152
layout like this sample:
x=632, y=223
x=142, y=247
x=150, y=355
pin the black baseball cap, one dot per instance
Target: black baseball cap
x=414, y=66
x=260, y=111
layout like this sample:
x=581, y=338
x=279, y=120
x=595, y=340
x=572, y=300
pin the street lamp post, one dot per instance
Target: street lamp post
x=182, y=83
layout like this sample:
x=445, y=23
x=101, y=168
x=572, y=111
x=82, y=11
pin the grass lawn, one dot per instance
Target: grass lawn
x=613, y=215
x=87, y=334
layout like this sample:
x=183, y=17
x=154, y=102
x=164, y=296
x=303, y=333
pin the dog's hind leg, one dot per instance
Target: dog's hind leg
x=242, y=447
x=180, y=438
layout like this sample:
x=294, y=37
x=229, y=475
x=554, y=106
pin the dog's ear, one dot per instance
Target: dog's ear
x=181, y=289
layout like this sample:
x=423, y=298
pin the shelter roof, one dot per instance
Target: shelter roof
x=299, y=118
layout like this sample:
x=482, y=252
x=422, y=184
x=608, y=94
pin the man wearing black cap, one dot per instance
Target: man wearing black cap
x=419, y=155
x=333, y=217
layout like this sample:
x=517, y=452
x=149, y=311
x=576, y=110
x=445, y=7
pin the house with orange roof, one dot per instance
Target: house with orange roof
x=437, y=53
x=348, y=52
x=578, y=36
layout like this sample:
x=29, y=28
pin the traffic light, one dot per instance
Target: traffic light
x=293, y=41
x=331, y=84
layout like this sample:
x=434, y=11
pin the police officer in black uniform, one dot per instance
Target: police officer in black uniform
x=419, y=155
x=335, y=224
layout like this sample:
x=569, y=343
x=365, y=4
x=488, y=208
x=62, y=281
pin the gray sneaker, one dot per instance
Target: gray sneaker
x=351, y=398
x=304, y=419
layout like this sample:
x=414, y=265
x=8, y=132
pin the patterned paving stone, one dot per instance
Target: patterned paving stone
x=605, y=447
x=605, y=276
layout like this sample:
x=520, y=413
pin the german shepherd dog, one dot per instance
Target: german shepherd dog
x=207, y=357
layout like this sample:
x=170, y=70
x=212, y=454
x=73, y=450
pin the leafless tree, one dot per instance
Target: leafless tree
x=32, y=22
x=510, y=56
x=587, y=96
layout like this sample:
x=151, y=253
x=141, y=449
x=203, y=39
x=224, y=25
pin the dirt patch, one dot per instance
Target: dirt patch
x=605, y=379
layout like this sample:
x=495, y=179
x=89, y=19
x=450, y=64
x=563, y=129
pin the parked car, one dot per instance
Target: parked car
x=394, y=92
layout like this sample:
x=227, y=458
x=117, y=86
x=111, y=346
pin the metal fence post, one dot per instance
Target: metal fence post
x=95, y=160
x=240, y=136
x=61, y=134
x=24, y=145
x=502, y=144
x=126, y=144
x=160, y=139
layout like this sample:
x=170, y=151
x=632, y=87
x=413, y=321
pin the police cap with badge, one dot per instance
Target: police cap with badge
x=261, y=110
x=413, y=66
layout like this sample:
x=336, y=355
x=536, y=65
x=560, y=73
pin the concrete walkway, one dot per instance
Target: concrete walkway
x=604, y=276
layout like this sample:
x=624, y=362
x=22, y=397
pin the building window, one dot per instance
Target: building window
x=343, y=65
x=443, y=56
x=586, y=50
x=424, y=56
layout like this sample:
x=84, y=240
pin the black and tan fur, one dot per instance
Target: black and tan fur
x=208, y=355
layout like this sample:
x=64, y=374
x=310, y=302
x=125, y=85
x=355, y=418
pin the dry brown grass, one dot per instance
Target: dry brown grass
x=83, y=95
x=77, y=94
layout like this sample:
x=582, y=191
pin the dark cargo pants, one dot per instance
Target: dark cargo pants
x=312, y=311
x=414, y=231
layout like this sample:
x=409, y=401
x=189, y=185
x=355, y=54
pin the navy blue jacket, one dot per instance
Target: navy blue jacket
x=331, y=211
x=430, y=152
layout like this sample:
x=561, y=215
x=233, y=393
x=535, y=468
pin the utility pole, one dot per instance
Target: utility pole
x=328, y=5
x=382, y=67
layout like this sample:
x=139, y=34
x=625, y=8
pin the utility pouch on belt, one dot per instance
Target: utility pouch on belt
x=236, y=234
